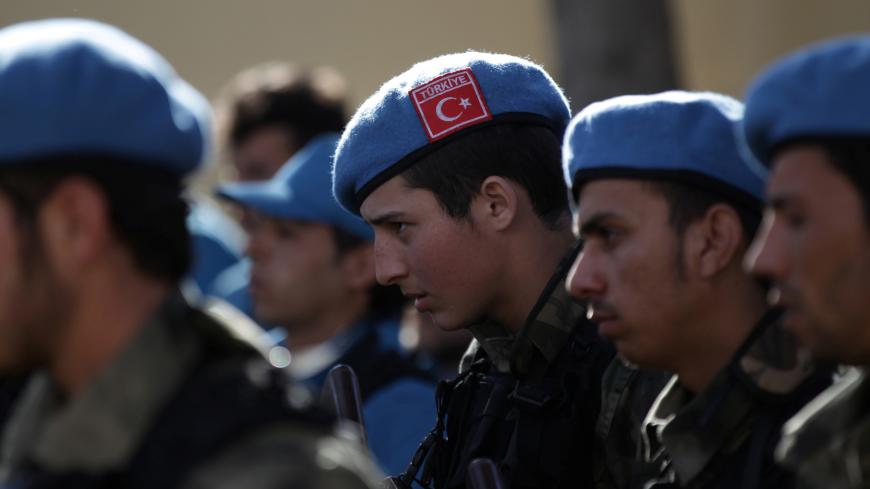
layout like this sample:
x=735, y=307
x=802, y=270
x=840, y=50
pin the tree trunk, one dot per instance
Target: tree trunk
x=613, y=47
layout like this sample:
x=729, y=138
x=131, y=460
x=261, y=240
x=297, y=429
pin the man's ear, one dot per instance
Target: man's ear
x=496, y=203
x=358, y=265
x=713, y=241
x=74, y=225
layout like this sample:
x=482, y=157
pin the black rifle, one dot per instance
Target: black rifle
x=341, y=396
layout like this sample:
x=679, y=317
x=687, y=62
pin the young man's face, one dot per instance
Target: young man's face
x=814, y=246
x=297, y=275
x=262, y=153
x=628, y=270
x=446, y=265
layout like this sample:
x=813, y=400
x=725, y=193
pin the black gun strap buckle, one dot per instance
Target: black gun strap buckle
x=532, y=397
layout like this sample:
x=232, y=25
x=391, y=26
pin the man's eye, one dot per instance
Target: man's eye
x=609, y=237
x=608, y=234
x=794, y=220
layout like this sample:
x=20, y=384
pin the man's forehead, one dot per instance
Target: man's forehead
x=800, y=169
x=393, y=196
x=612, y=196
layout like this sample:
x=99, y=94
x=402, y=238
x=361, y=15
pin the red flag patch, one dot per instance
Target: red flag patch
x=450, y=102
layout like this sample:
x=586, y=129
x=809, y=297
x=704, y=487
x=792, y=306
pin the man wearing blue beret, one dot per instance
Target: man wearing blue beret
x=132, y=384
x=313, y=274
x=666, y=207
x=268, y=113
x=456, y=165
x=806, y=119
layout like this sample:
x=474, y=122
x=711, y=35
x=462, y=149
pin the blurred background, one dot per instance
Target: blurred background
x=594, y=48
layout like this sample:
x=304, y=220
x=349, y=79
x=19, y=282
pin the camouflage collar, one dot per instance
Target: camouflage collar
x=689, y=430
x=100, y=428
x=828, y=441
x=542, y=337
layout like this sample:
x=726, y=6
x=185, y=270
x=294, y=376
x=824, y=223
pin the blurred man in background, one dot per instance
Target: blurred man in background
x=133, y=385
x=265, y=114
x=313, y=274
x=270, y=111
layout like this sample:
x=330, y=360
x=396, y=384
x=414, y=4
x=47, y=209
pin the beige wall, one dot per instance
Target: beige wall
x=725, y=43
x=721, y=43
x=369, y=40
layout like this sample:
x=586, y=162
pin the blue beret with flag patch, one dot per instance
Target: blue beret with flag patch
x=431, y=104
x=679, y=136
x=823, y=90
x=75, y=86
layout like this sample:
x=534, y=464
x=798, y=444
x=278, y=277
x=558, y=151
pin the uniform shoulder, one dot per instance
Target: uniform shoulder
x=826, y=417
x=289, y=455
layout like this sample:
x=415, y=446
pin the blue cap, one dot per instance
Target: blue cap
x=73, y=86
x=301, y=190
x=820, y=91
x=431, y=104
x=679, y=136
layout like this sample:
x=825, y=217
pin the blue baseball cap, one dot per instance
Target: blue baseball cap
x=679, y=136
x=433, y=103
x=301, y=190
x=823, y=90
x=75, y=86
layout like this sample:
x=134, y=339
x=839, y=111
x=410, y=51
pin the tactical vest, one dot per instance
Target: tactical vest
x=540, y=433
x=230, y=393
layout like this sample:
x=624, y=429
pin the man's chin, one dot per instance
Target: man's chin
x=445, y=324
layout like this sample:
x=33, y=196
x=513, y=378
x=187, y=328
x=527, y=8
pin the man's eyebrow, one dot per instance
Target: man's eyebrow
x=595, y=222
x=387, y=216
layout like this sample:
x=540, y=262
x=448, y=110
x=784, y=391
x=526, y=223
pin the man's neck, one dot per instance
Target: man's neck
x=531, y=265
x=103, y=320
x=331, y=322
x=716, y=333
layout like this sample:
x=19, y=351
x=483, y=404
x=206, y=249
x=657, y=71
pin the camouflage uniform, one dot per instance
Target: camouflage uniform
x=130, y=427
x=827, y=443
x=627, y=393
x=725, y=436
x=528, y=401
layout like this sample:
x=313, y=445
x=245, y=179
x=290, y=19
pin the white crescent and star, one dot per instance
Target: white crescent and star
x=439, y=109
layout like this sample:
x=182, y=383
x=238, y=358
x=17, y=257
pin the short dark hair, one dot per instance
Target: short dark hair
x=305, y=102
x=851, y=157
x=526, y=154
x=146, y=210
x=687, y=204
x=385, y=302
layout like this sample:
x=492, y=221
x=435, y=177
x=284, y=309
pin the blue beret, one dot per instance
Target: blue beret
x=431, y=104
x=820, y=91
x=301, y=190
x=680, y=136
x=73, y=86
